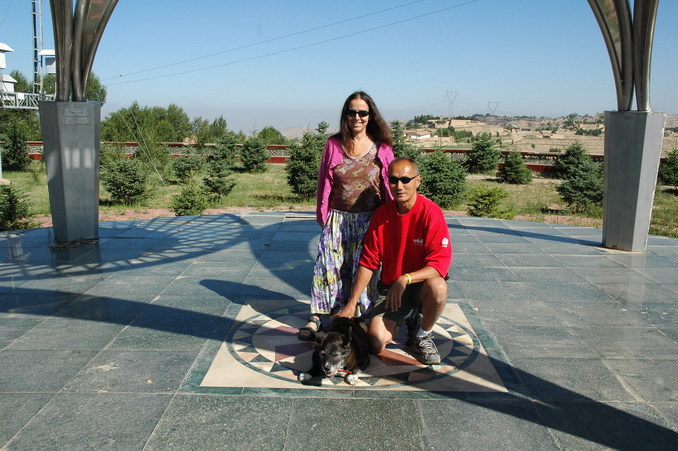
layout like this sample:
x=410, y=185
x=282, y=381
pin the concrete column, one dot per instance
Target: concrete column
x=633, y=143
x=70, y=132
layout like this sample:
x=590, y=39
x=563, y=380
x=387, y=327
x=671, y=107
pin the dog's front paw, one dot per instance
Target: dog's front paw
x=304, y=377
x=351, y=379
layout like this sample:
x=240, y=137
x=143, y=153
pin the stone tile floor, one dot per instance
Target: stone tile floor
x=177, y=333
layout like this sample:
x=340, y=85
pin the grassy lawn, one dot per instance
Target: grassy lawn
x=539, y=201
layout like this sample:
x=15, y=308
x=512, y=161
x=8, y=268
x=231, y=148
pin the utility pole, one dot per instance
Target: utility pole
x=37, y=45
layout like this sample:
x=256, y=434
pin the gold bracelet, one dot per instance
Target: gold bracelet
x=409, y=278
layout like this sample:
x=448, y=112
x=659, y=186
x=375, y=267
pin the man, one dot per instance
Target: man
x=409, y=239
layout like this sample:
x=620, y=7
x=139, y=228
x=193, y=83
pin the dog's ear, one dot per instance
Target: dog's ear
x=349, y=335
x=320, y=336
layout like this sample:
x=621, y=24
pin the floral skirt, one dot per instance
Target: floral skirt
x=339, y=249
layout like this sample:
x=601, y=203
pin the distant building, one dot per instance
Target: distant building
x=417, y=134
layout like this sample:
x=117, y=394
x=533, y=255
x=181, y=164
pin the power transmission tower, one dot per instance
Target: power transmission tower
x=492, y=106
x=451, y=95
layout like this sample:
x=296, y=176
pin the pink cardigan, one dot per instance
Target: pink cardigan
x=333, y=156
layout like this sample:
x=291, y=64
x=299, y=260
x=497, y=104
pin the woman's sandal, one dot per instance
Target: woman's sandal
x=310, y=329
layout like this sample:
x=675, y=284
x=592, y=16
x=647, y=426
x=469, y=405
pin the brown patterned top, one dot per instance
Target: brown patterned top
x=356, y=183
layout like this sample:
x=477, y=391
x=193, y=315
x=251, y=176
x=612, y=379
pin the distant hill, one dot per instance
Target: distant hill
x=296, y=132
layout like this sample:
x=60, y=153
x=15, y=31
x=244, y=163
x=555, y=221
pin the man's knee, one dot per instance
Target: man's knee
x=434, y=291
x=377, y=346
x=379, y=334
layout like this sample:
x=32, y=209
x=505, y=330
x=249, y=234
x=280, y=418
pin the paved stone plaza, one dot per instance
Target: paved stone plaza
x=180, y=333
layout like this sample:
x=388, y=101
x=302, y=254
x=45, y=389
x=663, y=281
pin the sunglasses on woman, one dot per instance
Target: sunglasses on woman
x=361, y=113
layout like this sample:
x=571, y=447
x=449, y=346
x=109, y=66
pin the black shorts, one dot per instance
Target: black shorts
x=409, y=305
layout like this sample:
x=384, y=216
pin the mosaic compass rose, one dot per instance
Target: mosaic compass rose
x=267, y=343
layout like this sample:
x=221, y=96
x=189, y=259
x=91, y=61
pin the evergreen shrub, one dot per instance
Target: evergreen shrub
x=254, y=155
x=514, y=170
x=126, y=180
x=668, y=170
x=226, y=150
x=187, y=166
x=484, y=156
x=583, y=189
x=218, y=183
x=443, y=179
x=15, y=209
x=15, y=153
x=303, y=164
x=190, y=202
x=574, y=155
x=485, y=202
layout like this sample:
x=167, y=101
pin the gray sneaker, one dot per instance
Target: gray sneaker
x=428, y=352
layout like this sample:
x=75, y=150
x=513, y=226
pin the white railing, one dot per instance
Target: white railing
x=22, y=100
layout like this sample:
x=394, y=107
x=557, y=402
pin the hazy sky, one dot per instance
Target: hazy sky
x=292, y=63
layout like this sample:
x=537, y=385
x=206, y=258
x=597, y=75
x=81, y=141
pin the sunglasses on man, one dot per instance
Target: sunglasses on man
x=405, y=180
x=361, y=113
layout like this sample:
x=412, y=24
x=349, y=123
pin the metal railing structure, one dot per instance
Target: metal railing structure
x=22, y=100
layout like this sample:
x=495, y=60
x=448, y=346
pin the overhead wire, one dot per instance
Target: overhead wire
x=4, y=16
x=143, y=146
x=279, y=52
x=277, y=38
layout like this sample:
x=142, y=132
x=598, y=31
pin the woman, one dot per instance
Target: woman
x=352, y=183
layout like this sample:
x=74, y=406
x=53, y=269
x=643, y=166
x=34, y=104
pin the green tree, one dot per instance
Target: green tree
x=139, y=124
x=190, y=202
x=668, y=170
x=218, y=182
x=96, y=91
x=583, y=189
x=226, y=150
x=321, y=128
x=187, y=166
x=401, y=147
x=514, y=170
x=303, y=164
x=443, y=179
x=15, y=153
x=270, y=135
x=484, y=156
x=26, y=120
x=126, y=180
x=485, y=202
x=206, y=132
x=574, y=156
x=254, y=155
x=15, y=209
x=22, y=84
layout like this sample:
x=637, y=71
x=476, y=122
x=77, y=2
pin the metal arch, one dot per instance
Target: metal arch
x=629, y=44
x=77, y=36
x=645, y=13
x=614, y=19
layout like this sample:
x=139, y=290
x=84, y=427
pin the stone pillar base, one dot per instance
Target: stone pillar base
x=633, y=143
x=70, y=133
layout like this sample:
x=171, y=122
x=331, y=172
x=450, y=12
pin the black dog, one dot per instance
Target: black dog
x=340, y=348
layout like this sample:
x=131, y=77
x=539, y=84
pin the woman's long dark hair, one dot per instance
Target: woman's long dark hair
x=377, y=128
